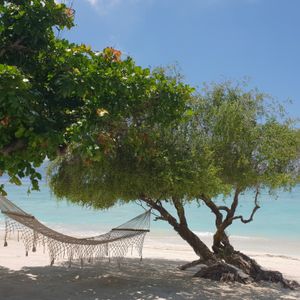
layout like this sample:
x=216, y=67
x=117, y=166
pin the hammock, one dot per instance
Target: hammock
x=114, y=244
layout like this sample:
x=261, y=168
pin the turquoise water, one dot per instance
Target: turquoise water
x=278, y=217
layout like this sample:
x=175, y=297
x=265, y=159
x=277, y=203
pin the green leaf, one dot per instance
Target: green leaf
x=20, y=132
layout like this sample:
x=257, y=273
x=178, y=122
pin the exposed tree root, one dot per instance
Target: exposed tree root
x=221, y=271
x=240, y=268
x=255, y=271
x=193, y=264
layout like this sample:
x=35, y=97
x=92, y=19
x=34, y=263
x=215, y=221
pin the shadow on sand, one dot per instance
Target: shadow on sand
x=150, y=279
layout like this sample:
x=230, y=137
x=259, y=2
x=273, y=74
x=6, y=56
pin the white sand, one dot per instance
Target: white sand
x=157, y=277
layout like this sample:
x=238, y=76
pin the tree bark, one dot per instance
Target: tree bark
x=220, y=238
x=194, y=241
x=181, y=228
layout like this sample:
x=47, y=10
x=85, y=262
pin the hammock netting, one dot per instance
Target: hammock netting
x=114, y=244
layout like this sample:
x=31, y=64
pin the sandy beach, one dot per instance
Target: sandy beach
x=156, y=277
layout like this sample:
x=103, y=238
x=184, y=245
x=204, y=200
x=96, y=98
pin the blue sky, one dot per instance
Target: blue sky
x=211, y=40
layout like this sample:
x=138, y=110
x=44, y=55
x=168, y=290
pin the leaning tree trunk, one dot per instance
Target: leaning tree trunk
x=227, y=264
x=195, y=242
x=233, y=265
x=181, y=228
x=224, y=263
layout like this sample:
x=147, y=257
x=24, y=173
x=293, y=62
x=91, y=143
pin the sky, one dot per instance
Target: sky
x=210, y=40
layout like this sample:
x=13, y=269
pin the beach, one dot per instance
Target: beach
x=269, y=239
x=155, y=277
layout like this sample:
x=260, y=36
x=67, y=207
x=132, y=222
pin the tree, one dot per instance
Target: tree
x=226, y=142
x=32, y=111
x=52, y=90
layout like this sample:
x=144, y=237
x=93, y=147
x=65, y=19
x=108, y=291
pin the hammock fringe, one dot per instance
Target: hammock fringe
x=114, y=244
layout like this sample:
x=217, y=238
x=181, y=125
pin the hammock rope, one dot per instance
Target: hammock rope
x=114, y=244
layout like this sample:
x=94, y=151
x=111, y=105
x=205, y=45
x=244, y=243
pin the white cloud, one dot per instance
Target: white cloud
x=225, y=2
x=105, y=6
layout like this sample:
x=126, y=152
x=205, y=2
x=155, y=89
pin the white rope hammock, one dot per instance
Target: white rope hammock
x=114, y=244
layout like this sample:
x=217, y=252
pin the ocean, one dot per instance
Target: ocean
x=278, y=217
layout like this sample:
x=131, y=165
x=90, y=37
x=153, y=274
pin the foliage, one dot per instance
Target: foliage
x=227, y=138
x=253, y=141
x=28, y=129
x=55, y=94
x=118, y=135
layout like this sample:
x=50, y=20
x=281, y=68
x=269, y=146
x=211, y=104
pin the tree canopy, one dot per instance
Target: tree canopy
x=227, y=138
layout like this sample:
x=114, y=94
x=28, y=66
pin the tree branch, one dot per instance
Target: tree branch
x=214, y=208
x=256, y=207
x=225, y=208
x=234, y=204
x=139, y=202
x=16, y=45
x=180, y=211
x=165, y=215
x=231, y=210
x=156, y=216
x=16, y=145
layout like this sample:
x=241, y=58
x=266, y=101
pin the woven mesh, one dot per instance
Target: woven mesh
x=114, y=244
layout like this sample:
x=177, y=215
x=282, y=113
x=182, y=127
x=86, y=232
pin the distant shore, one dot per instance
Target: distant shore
x=157, y=277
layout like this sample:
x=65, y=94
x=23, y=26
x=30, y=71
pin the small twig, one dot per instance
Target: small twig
x=256, y=207
x=157, y=217
x=139, y=202
x=158, y=202
x=164, y=214
x=225, y=208
x=214, y=209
